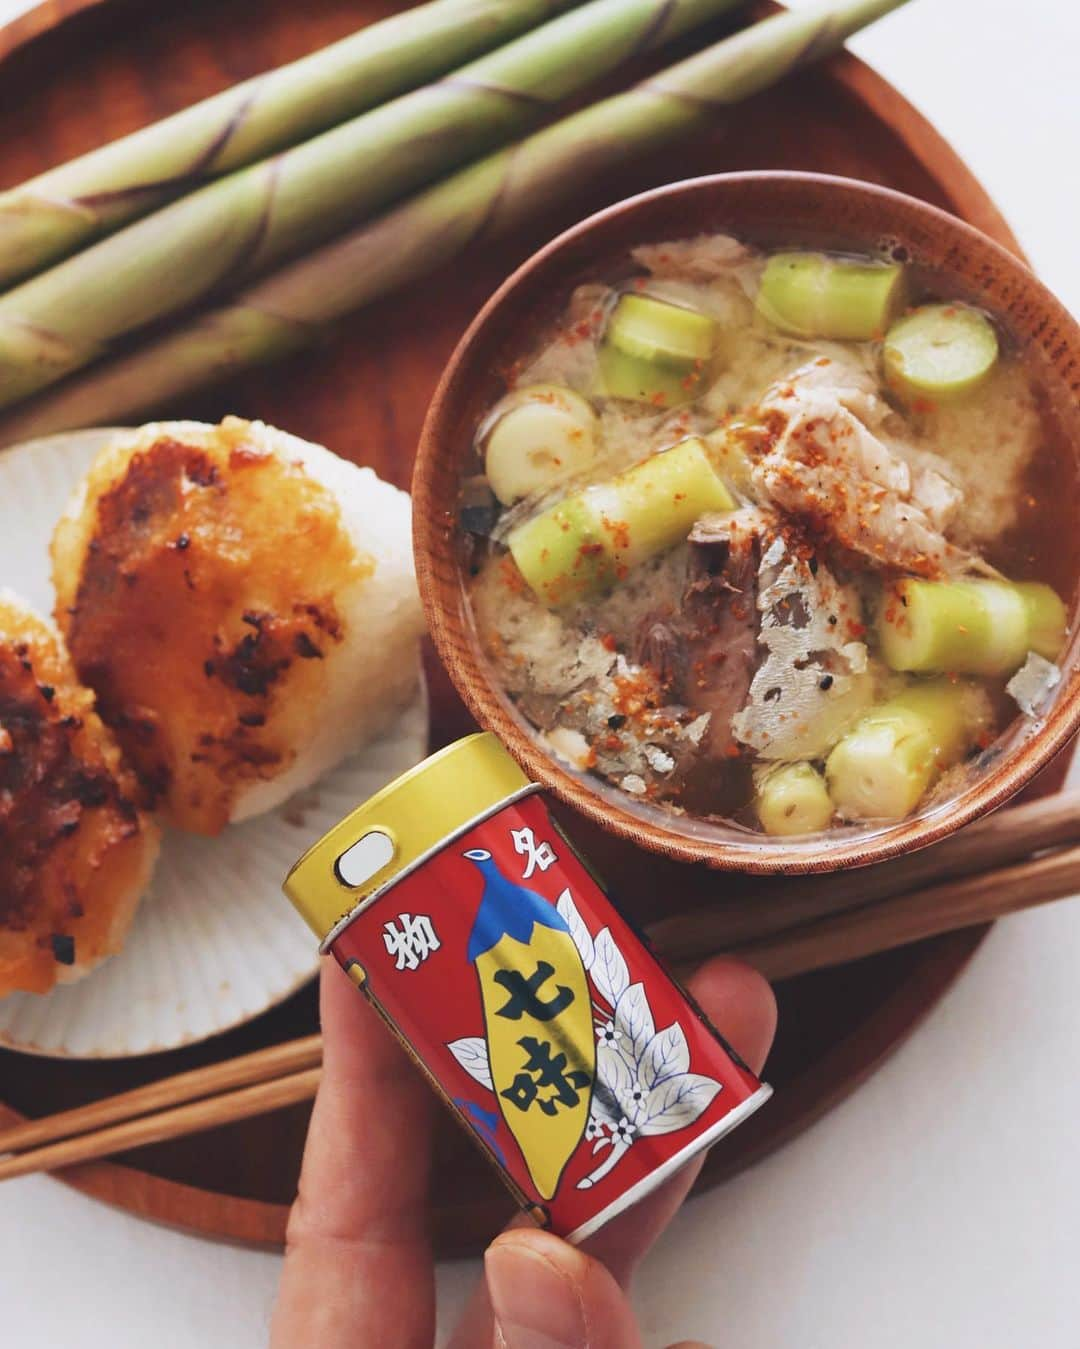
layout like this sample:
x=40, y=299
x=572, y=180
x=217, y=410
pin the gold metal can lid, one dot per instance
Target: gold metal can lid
x=397, y=827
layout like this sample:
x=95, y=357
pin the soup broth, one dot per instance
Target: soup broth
x=779, y=538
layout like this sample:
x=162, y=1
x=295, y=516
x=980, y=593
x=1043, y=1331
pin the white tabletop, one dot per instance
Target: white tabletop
x=938, y=1206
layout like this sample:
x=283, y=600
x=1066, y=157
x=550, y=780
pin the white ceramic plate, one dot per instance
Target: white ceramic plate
x=214, y=942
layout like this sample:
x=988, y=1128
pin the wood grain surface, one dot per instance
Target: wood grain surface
x=77, y=72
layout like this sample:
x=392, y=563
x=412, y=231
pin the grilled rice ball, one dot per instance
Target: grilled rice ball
x=75, y=852
x=244, y=606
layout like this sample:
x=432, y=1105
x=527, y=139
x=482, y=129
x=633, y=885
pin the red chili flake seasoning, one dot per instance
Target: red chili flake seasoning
x=619, y=531
x=634, y=694
x=457, y=906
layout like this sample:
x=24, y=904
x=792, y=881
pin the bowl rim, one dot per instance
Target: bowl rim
x=442, y=594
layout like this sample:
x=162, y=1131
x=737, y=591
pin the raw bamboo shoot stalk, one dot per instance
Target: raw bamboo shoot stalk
x=238, y=226
x=67, y=207
x=290, y=308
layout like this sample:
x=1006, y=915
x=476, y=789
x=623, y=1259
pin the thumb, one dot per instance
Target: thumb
x=546, y=1294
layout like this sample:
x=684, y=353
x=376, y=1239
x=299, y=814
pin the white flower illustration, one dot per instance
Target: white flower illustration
x=607, y=1033
x=644, y=1085
x=623, y=1132
x=594, y=1130
x=635, y=1101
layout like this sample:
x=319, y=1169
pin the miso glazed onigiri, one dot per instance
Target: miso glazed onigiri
x=244, y=607
x=772, y=538
x=75, y=851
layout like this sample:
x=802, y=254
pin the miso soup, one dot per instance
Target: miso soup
x=776, y=538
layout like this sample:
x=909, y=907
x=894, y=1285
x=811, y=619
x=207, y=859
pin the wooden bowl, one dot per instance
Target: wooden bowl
x=769, y=209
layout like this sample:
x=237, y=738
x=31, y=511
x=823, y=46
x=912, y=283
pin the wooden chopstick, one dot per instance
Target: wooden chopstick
x=211, y=1113
x=930, y=912
x=288, y=1074
x=275, y=1061
x=751, y=909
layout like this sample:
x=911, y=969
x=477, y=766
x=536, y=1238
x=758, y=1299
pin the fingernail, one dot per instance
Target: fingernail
x=537, y=1304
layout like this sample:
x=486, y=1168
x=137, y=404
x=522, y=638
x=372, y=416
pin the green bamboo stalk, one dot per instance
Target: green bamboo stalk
x=237, y=227
x=64, y=209
x=291, y=308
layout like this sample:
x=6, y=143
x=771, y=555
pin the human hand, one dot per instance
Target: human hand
x=359, y=1271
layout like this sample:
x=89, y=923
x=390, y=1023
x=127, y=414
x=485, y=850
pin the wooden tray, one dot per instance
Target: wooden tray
x=76, y=72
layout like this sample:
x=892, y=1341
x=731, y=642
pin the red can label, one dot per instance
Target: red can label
x=548, y=1025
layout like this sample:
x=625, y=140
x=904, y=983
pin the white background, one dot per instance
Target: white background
x=938, y=1207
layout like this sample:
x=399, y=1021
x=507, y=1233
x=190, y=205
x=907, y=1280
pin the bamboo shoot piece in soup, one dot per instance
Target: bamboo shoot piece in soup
x=776, y=539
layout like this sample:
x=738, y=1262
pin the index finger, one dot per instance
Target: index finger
x=358, y=1266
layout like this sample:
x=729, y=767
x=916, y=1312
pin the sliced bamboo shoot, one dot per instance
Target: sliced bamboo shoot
x=593, y=537
x=1047, y=618
x=653, y=506
x=539, y=436
x=792, y=799
x=819, y=295
x=968, y=627
x=654, y=351
x=884, y=766
x=561, y=553
x=940, y=352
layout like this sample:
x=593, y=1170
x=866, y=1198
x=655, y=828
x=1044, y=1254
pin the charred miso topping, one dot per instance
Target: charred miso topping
x=72, y=843
x=802, y=517
x=203, y=547
x=45, y=787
